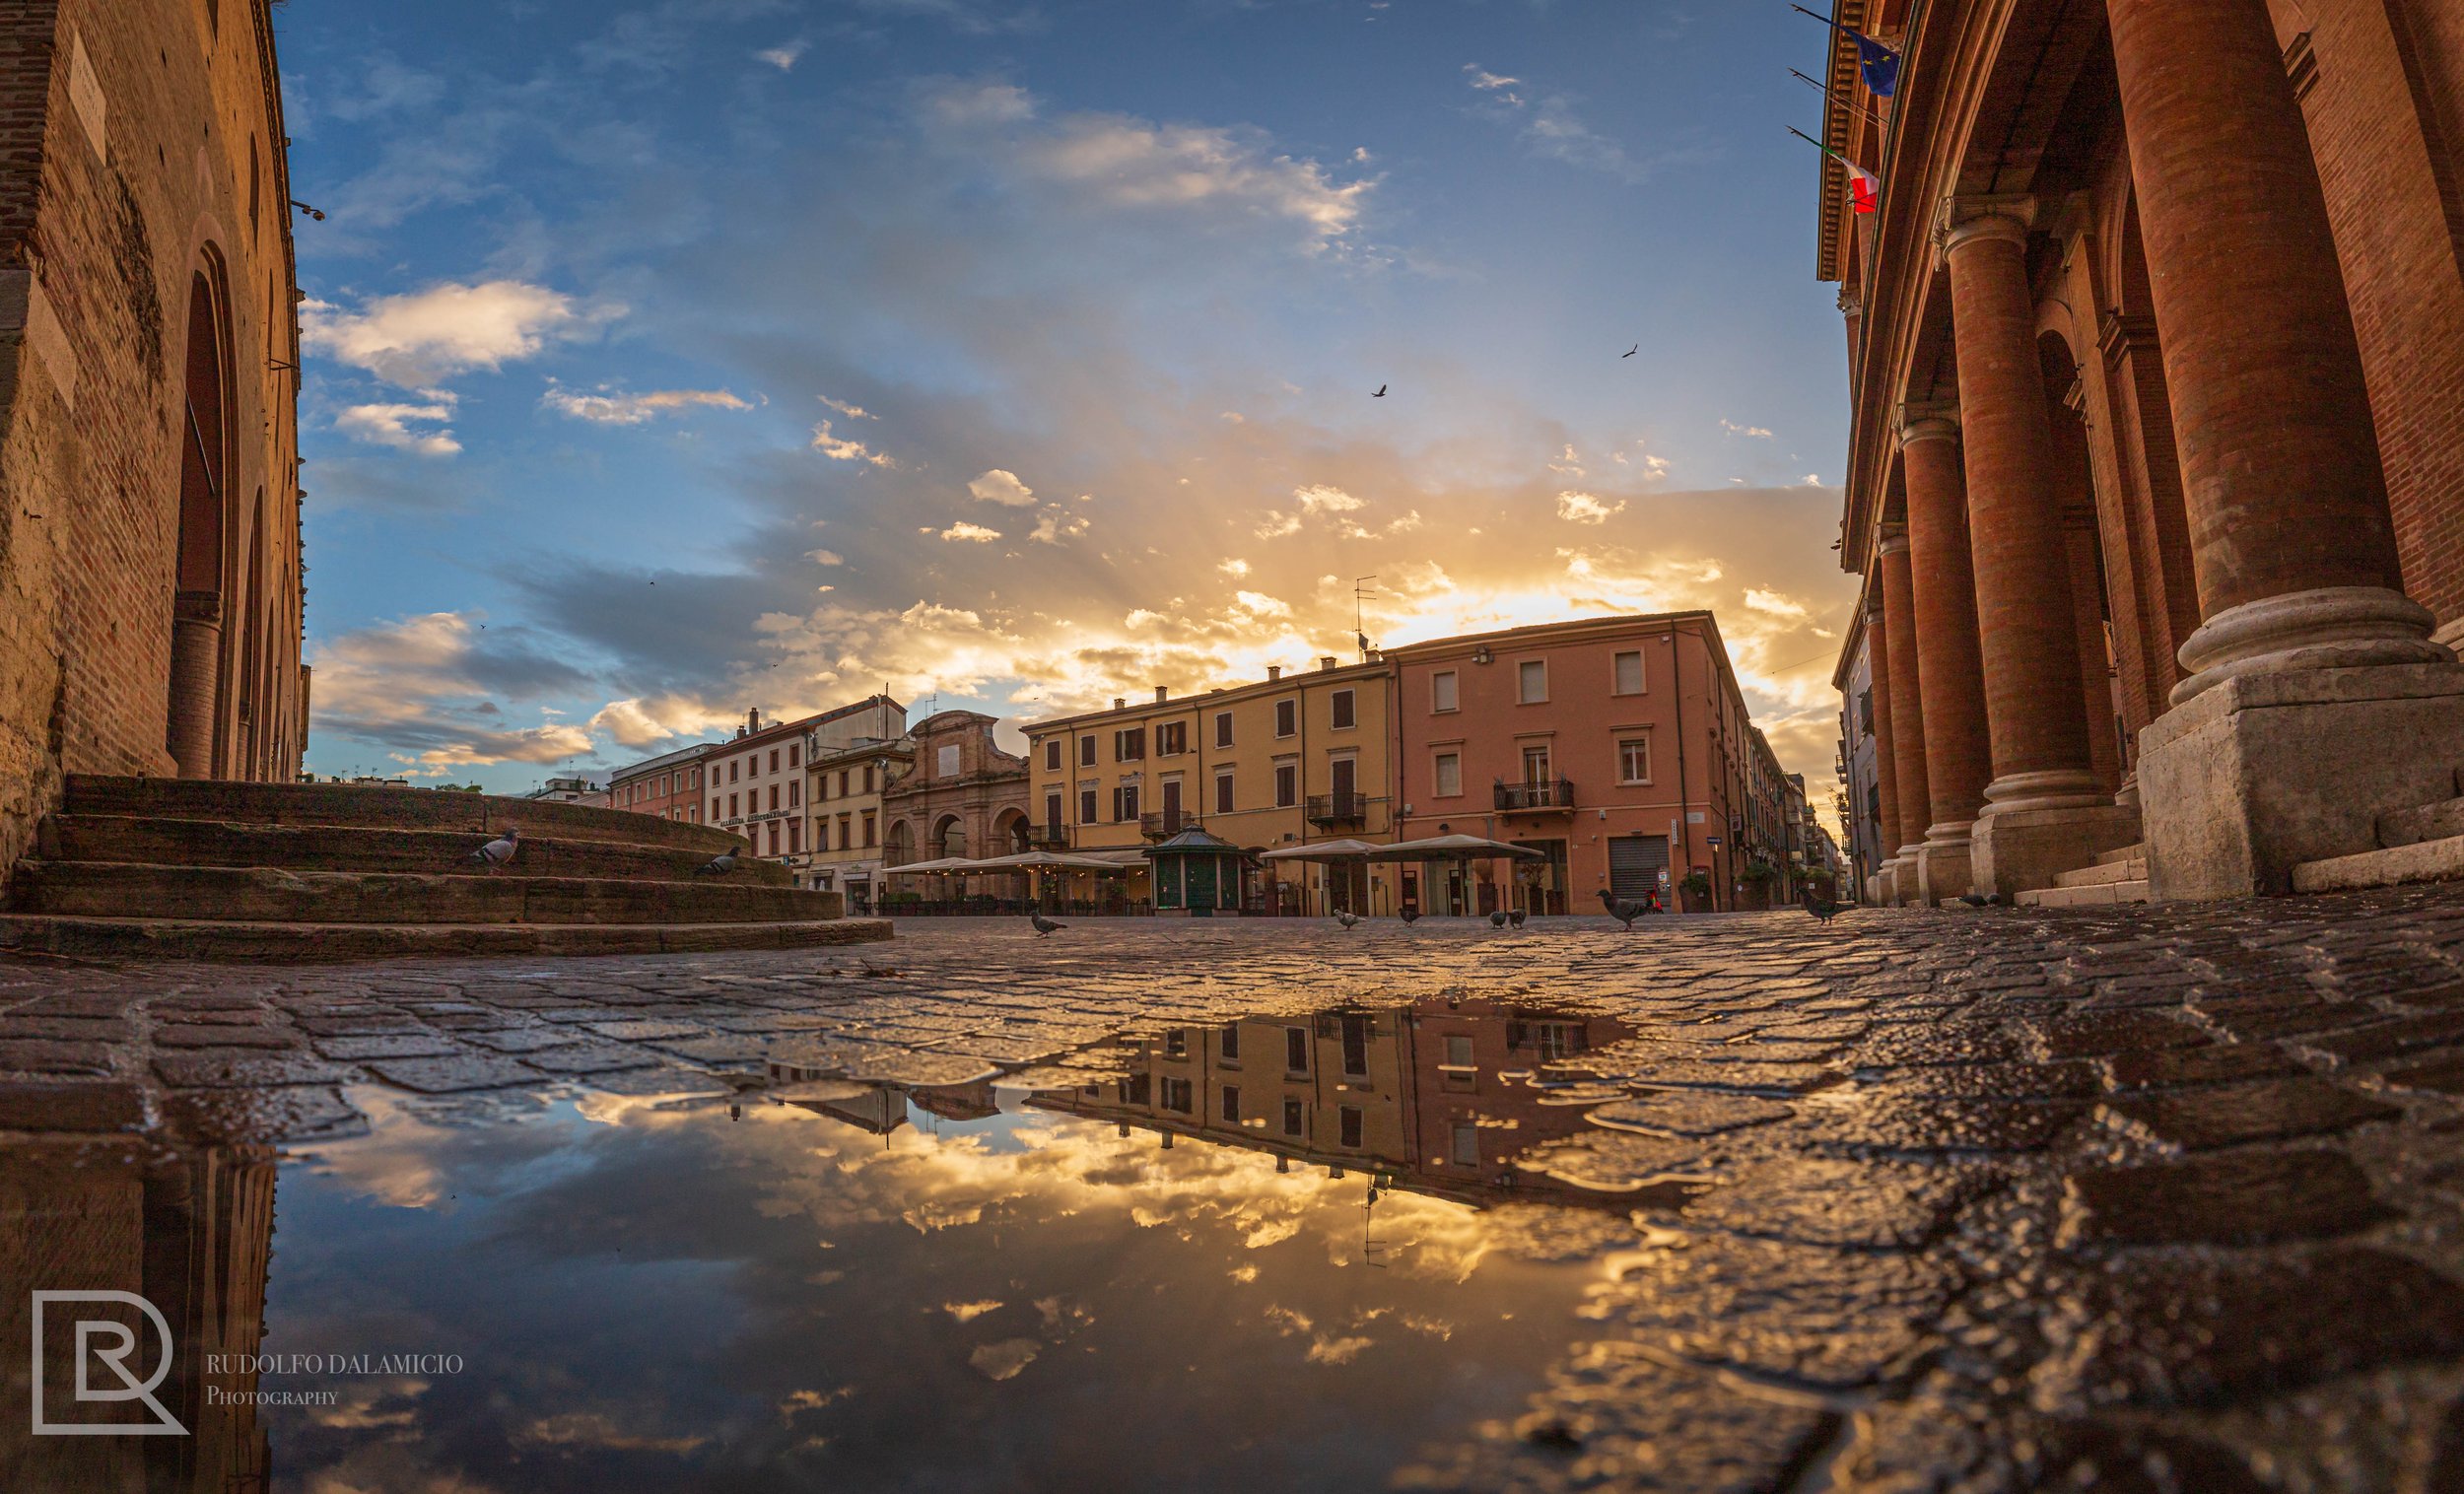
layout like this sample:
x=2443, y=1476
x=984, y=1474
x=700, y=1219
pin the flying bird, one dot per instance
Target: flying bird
x=1381, y=395
x=718, y=866
x=1348, y=918
x=1517, y=917
x=1630, y=352
x=1044, y=926
x=1824, y=909
x=499, y=851
x=1498, y=920
x=1624, y=912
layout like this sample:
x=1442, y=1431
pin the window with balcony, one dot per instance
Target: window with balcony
x=1536, y=763
x=1052, y=811
x=1530, y=679
x=1445, y=693
x=1627, y=673
x=1448, y=776
x=1286, y=717
x=1344, y=710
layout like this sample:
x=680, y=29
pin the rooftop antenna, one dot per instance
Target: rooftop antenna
x=1360, y=590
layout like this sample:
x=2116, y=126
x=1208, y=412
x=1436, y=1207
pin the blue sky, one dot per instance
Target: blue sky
x=675, y=359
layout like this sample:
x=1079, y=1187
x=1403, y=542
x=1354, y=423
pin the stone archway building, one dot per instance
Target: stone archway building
x=150, y=576
x=2156, y=472
x=963, y=796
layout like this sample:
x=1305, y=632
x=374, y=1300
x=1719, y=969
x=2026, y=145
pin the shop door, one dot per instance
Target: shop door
x=1635, y=862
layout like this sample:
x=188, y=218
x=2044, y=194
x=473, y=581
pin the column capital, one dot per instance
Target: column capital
x=1893, y=540
x=1927, y=420
x=1965, y=220
x=1850, y=302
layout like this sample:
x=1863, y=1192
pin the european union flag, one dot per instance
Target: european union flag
x=1879, y=63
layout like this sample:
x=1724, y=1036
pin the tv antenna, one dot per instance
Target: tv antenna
x=1361, y=590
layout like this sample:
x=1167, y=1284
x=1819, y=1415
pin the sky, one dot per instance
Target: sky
x=668, y=359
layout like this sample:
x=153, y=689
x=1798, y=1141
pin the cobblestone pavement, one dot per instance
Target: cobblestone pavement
x=2123, y=1199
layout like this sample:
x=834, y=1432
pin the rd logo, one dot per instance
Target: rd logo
x=109, y=1343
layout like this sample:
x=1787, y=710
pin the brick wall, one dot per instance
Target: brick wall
x=140, y=142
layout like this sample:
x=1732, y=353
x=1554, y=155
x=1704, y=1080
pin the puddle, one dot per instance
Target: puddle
x=1285, y=1254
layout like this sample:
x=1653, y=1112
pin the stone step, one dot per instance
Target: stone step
x=154, y=840
x=118, y=890
x=297, y=943
x=2430, y=822
x=2441, y=860
x=2098, y=894
x=2137, y=852
x=475, y=814
x=2103, y=873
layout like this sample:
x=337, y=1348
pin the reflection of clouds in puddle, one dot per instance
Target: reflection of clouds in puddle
x=1003, y=1360
x=394, y=1164
x=969, y=1312
x=590, y=1428
x=363, y=1404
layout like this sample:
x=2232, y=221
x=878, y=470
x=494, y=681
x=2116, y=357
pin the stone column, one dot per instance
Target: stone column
x=196, y=662
x=2315, y=694
x=2044, y=813
x=1907, y=712
x=1884, y=887
x=1957, y=751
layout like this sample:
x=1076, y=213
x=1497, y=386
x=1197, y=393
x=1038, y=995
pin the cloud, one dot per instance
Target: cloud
x=428, y=688
x=1058, y=523
x=1233, y=567
x=840, y=448
x=1325, y=500
x=1584, y=509
x=1277, y=525
x=1554, y=129
x=1751, y=433
x=1773, y=604
x=421, y=339
x=851, y=412
x=971, y=534
x=825, y=557
x=1487, y=81
x=1002, y=488
x=385, y=424
x=609, y=407
x=783, y=56
x=640, y=725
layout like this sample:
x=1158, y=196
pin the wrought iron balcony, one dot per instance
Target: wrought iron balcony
x=1046, y=838
x=1553, y=797
x=1163, y=823
x=1330, y=809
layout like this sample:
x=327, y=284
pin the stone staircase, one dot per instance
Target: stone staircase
x=2118, y=876
x=2423, y=845
x=169, y=868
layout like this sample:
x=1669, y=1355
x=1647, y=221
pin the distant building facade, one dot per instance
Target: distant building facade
x=843, y=796
x=668, y=786
x=569, y=792
x=150, y=576
x=754, y=785
x=961, y=796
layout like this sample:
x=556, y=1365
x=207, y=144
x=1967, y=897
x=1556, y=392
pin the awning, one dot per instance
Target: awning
x=1047, y=861
x=1330, y=851
x=946, y=863
x=1451, y=848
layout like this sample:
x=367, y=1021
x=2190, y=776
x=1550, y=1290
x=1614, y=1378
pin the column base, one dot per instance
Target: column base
x=2020, y=851
x=1942, y=872
x=1873, y=890
x=1900, y=878
x=2263, y=772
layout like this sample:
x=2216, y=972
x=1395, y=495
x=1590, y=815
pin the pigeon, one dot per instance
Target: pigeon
x=1044, y=926
x=1623, y=913
x=1517, y=917
x=1411, y=915
x=1979, y=899
x=1823, y=909
x=1348, y=918
x=718, y=866
x=1630, y=352
x=499, y=851
x=1381, y=395
x=1498, y=920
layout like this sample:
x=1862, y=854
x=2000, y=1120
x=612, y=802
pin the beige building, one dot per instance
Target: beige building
x=755, y=784
x=1284, y=761
x=845, y=824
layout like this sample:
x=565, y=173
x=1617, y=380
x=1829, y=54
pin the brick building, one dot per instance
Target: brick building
x=2156, y=475
x=1617, y=747
x=149, y=579
x=667, y=787
x=754, y=785
x=963, y=796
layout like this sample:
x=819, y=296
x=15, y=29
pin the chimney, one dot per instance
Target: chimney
x=1325, y=661
x=1273, y=672
x=1120, y=702
x=753, y=719
x=1161, y=694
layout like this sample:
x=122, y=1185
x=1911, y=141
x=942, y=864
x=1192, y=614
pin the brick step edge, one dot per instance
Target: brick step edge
x=2098, y=894
x=275, y=895
x=345, y=805
x=2102, y=873
x=329, y=943
x=2422, y=862
x=116, y=840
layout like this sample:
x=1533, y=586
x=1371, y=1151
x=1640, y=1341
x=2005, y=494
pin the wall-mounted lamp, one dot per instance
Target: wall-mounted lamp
x=1482, y=655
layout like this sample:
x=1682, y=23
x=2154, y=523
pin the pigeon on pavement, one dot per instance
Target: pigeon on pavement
x=1348, y=918
x=1517, y=917
x=1042, y=925
x=1411, y=915
x=716, y=866
x=1623, y=913
x=499, y=851
x=1980, y=898
x=1823, y=909
x=1498, y=920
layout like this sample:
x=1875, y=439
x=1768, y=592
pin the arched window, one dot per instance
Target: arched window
x=197, y=611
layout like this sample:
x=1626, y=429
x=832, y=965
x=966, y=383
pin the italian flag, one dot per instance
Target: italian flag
x=1865, y=190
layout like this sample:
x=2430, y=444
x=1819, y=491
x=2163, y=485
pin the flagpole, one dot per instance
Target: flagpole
x=1826, y=90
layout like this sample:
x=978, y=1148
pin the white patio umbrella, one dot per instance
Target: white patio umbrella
x=1330, y=851
x=1451, y=848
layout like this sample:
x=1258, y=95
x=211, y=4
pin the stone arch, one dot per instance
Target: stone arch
x=1009, y=830
x=897, y=846
x=949, y=837
x=2082, y=534
x=201, y=567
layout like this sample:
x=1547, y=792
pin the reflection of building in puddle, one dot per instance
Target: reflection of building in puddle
x=1433, y=1096
x=188, y=1230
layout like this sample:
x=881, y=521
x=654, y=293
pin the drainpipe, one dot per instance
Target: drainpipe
x=1685, y=820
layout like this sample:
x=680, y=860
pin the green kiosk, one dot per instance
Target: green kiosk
x=1196, y=874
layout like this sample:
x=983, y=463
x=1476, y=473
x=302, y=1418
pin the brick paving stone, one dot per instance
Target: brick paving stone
x=220, y=1035
x=2270, y=1110
x=47, y=1055
x=447, y=1076
x=2176, y=1067
x=287, y=1112
x=523, y=1039
x=68, y=1106
x=384, y=1046
x=1673, y=1113
x=638, y=1030
x=242, y=1068
x=589, y=1058
x=2240, y=1197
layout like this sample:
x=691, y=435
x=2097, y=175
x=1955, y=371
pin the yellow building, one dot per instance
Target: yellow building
x=1286, y=761
x=842, y=798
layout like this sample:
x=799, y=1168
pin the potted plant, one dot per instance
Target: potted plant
x=1694, y=892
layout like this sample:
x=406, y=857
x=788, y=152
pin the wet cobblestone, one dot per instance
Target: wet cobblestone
x=2129, y=1199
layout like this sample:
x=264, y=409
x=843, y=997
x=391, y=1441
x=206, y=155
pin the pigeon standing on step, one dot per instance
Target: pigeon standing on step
x=716, y=866
x=1348, y=918
x=499, y=851
x=1623, y=913
x=1042, y=925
